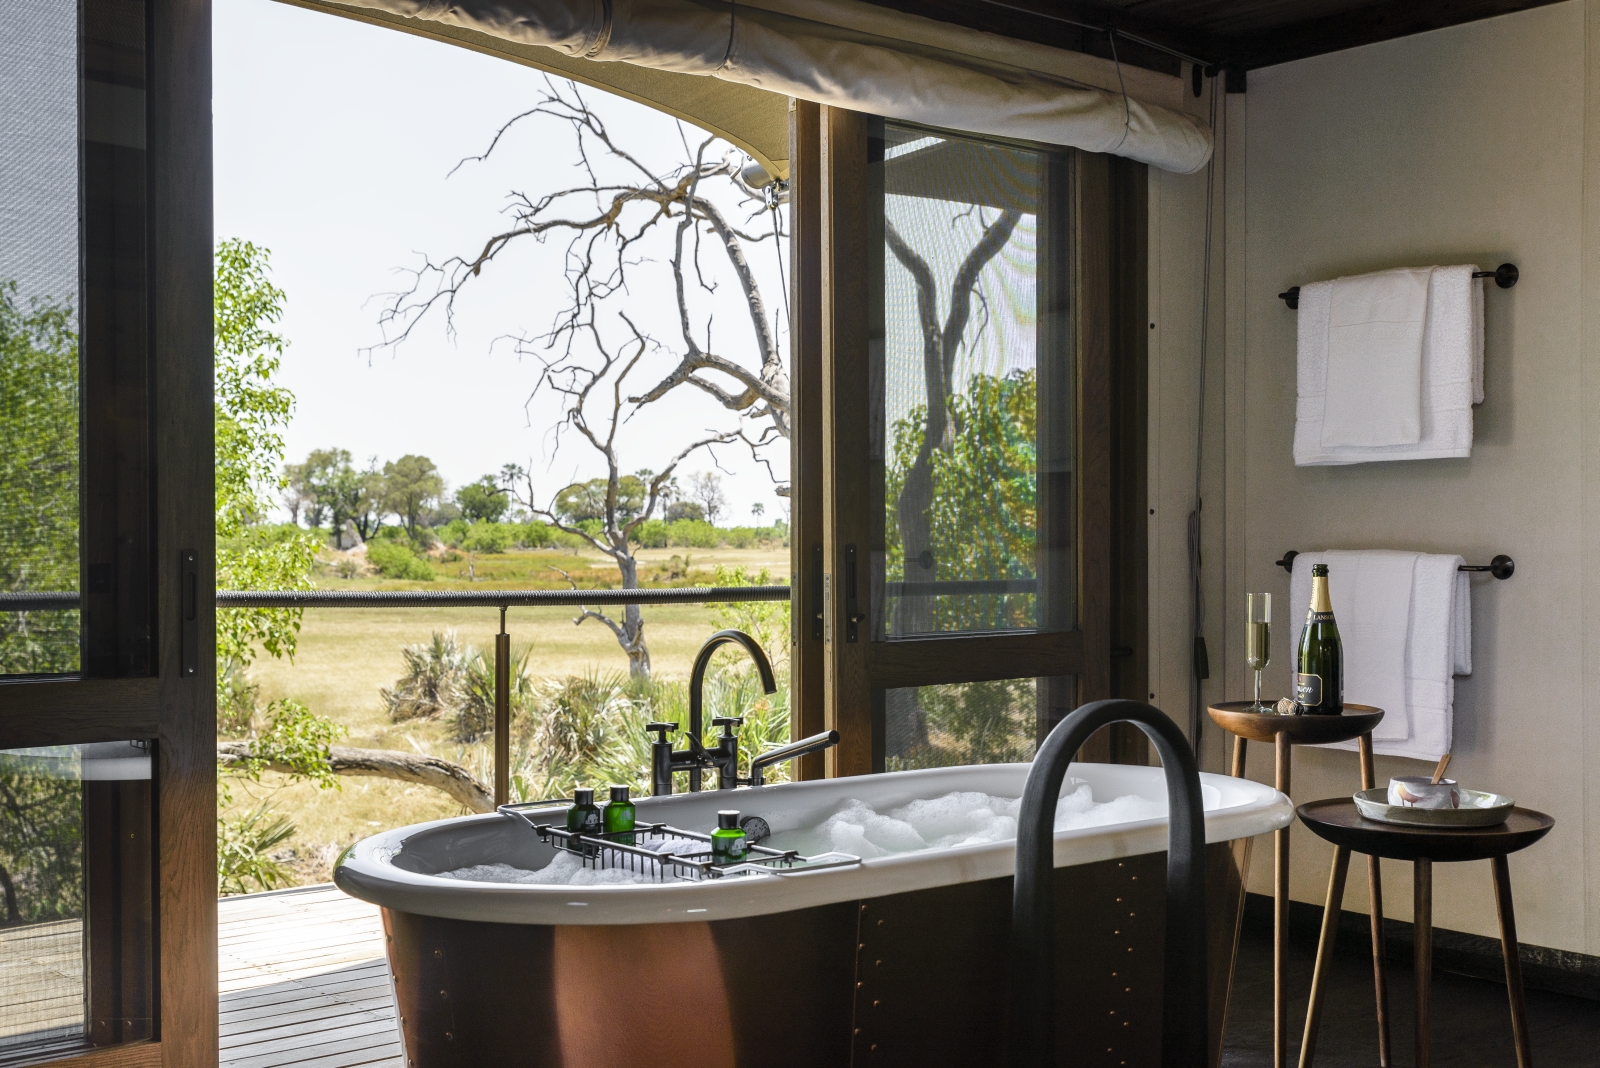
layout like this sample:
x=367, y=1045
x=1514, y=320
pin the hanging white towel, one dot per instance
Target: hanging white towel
x=1372, y=392
x=1452, y=374
x=1408, y=673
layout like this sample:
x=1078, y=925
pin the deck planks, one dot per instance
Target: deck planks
x=303, y=982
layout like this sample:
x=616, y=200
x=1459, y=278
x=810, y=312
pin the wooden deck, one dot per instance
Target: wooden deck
x=303, y=982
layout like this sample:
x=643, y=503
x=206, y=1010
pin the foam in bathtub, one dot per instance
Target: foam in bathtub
x=956, y=819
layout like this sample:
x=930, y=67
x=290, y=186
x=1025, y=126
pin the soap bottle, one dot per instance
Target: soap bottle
x=728, y=842
x=619, y=816
x=584, y=816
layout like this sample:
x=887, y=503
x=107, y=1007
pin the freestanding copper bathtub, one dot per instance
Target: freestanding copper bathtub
x=898, y=960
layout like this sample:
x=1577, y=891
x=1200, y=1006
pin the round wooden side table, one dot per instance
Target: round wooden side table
x=1338, y=821
x=1285, y=732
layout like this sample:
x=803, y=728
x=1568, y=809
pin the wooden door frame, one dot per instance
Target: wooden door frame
x=1106, y=293
x=177, y=710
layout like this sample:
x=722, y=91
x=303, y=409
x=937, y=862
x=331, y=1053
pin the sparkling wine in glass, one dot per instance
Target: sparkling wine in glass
x=1258, y=640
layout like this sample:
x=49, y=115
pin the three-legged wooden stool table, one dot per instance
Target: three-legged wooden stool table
x=1339, y=821
x=1285, y=732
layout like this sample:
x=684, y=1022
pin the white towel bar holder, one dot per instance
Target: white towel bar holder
x=1505, y=276
x=1501, y=567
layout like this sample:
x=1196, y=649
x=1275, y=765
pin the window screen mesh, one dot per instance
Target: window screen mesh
x=39, y=300
x=960, y=723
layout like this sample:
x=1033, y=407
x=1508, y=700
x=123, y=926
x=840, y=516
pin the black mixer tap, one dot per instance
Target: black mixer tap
x=723, y=757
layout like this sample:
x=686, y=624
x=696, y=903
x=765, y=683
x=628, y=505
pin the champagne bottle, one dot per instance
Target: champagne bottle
x=619, y=815
x=728, y=842
x=1319, y=668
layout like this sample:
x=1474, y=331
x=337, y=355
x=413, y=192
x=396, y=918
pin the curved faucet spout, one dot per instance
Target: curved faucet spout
x=702, y=660
x=697, y=678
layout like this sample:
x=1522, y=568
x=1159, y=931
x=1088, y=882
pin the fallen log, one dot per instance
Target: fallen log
x=444, y=775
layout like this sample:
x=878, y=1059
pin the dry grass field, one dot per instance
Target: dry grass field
x=346, y=654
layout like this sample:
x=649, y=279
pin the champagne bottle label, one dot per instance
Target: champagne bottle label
x=1308, y=689
x=1319, y=617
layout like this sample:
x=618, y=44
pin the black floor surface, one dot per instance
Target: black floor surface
x=1471, y=1017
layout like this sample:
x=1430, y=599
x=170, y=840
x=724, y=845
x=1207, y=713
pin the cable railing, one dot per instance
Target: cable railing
x=66, y=600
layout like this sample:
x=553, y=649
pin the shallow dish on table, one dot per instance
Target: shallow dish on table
x=1478, y=809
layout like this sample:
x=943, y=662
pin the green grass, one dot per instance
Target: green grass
x=346, y=654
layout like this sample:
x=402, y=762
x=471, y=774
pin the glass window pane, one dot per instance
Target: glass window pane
x=960, y=723
x=970, y=374
x=76, y=912
x=39, y=301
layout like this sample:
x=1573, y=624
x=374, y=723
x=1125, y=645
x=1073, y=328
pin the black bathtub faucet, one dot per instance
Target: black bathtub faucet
x=723, y=757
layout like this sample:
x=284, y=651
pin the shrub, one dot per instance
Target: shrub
x=452, y=532
x=740, y=537
x=472, y=694
x=651, y=534
x=693, y=534
x=535, y=535
x=395, y=560
x=432, y=673
x=487, y=538
x=244, y=848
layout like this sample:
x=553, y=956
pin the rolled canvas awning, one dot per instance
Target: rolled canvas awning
x=834, y=52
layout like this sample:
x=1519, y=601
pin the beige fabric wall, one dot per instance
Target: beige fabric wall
x=1481, y=144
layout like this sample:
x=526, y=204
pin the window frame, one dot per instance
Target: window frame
x=1105, y=220
x=175, y=702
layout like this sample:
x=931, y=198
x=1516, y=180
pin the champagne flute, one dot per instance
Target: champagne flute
x=1258, y=640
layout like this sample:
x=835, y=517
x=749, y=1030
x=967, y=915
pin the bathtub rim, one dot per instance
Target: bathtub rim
x=365, y=871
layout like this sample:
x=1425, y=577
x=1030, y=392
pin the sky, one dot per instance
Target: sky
x=335, y=143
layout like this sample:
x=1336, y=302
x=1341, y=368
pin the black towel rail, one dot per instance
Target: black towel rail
x=1505, y=276
x=1501, y=567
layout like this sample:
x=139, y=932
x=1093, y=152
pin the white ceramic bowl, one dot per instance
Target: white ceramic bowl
x=1478, y=809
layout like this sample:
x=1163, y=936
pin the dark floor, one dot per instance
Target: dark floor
x=1471, y=1017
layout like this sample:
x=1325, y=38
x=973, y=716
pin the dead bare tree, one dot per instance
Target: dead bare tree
x=940, y=344
x=576, y=379
x=607, y=219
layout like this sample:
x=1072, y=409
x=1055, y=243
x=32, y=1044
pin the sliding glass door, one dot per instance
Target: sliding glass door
x=968, y=342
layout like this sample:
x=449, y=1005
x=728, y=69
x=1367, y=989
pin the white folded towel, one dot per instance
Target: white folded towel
x=1372, y=389
x=1452, y=374
x=1402, y=660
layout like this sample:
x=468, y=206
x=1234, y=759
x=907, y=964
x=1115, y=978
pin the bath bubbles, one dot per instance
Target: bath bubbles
x=956, y=819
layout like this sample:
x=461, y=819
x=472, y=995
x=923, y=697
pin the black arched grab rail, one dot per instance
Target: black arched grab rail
x=1185, y=998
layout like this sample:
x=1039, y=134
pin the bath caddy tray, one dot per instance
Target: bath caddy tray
x=605, y=851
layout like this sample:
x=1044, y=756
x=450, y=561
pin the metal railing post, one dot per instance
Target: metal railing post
x=502, y=713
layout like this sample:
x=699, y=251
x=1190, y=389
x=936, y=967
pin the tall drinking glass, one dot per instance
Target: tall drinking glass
x=1258, y=640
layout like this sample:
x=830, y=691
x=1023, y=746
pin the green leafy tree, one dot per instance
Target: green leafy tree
x=38, y=479
x=587, y=500
x=483, y=501
x=251, y=412
x=411, y=484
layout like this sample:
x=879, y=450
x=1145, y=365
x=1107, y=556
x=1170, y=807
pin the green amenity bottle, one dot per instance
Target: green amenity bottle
x=584, y=815
x=619, y=816
x=1319, y=668
x=728, y=842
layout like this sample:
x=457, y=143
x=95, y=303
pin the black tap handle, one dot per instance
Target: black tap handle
x=661, y=729
x=728, y=721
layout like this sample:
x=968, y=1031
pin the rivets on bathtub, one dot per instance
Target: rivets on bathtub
x=874, y=1047
x=880, y=923
x=876, y=1003
x=1116, y=932
x=858, y=1030
x=877, y=964
x=860, y=985
x=448, y=1037
x=446, y=994
x=439, y=953
x=1127, y=990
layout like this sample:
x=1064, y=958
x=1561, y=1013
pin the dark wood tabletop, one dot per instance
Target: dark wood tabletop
x=1340, y=822
x=1355, y=721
